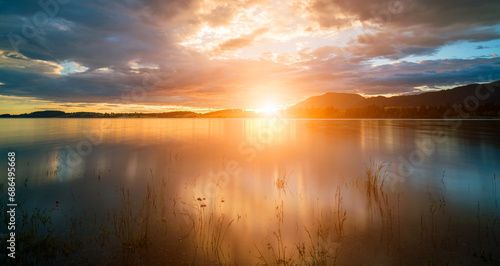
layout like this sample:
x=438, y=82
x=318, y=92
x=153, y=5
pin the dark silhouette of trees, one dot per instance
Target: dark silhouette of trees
x=486, y=110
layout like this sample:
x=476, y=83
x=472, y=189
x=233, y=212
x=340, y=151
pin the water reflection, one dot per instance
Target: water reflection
x=265, y=181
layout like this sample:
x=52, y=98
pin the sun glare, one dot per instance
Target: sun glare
x=268, y=108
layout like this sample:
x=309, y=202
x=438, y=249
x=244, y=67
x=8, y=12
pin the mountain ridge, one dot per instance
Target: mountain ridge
x=482, y=93
x=338, y=100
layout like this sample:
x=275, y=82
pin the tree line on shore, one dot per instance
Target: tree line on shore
x=487, y=110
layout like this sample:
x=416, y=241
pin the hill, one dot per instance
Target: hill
x=340, y=101
x=343, y=101
x=229, y=113
x=453, y=96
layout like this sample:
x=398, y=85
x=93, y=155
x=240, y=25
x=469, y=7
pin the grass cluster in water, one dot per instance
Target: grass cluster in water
x=158, y=229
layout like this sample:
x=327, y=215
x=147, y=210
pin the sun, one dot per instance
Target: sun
x=268, y=108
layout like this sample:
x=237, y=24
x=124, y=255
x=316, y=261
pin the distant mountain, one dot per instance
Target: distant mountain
x=49, y=113
x=457, y=95
x=61, y=114
x=439, y=98
x=229, y=113
x=178, y=114
x=340, y=101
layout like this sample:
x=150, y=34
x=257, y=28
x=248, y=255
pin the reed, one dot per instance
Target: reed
x=277, y=246
x=37, y=239
x=376, y=174
x=210, y=229
x=131, y=226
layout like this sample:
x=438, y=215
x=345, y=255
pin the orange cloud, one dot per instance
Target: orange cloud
x=237, y=43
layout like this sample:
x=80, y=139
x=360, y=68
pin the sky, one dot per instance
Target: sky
x=200, y=55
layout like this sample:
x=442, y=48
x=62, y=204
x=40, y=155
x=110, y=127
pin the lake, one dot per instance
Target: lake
x=260, y=191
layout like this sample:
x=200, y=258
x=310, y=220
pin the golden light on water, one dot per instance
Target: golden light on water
x=268, y=182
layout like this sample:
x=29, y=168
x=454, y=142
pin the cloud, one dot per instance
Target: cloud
x=397, y=29
x=243, y=41
x=219, y=16
x=406, y=13
x=342, y=74
x=417, y=41
x=179, y=45
x=21, y=63
x=107, y=36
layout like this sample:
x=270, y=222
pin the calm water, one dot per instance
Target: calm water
x=236, y=166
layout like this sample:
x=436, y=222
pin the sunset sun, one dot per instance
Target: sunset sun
x=268, y=108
